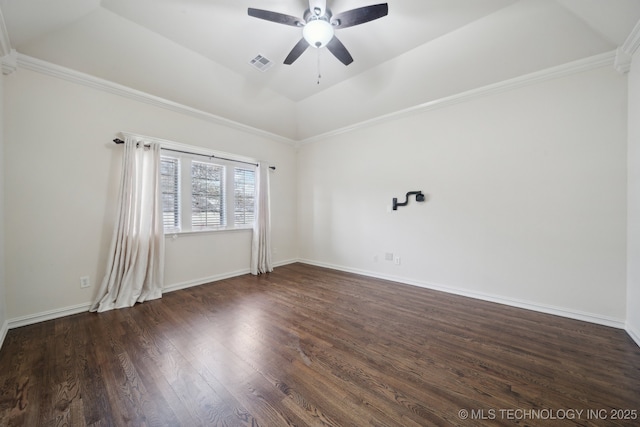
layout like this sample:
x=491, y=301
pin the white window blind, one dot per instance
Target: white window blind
x=169, y=182
x=207, y=200
x=244, y=195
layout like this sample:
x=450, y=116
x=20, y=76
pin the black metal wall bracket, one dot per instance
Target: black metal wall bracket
x=419, y=198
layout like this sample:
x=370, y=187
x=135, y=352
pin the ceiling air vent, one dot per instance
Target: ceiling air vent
x=261, y=63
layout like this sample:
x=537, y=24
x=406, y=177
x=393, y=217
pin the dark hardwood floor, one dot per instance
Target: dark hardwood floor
x=311, y=346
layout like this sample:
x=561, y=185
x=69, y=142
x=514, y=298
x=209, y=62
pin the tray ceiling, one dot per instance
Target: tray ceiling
x=198, y=52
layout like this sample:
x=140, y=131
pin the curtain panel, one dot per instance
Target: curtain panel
x=135, y=267
x=261, y=242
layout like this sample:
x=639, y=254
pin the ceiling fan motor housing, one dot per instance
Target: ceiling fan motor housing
x=318, y=31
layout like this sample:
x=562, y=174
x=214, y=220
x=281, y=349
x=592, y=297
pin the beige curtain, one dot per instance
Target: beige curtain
x=261, y=244
x=136, y=259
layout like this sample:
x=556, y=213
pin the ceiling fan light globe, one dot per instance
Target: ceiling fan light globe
x=318, y=33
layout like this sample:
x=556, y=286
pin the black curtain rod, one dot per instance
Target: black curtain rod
x=119, y=141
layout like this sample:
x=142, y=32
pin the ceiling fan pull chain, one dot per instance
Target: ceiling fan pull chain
x=319, y=75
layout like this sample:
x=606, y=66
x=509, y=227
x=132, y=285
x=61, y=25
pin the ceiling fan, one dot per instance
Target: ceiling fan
x=319, y=24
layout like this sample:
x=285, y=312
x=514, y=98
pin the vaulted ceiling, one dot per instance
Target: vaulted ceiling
x=198, y=52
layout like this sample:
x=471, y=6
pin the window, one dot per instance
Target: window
x=207, y=191
x=170, y=194
x=206, y=195
x=244, y=195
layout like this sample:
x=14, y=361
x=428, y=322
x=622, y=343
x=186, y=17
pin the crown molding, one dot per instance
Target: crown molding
x=9, y=62
x=586, y=64
x=27, y=62
x=632, y=43
x=44, y=67
x=624, y=54
x=622, y=62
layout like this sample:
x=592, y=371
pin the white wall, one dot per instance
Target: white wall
x=633, y=215
x=526, y=197
x=62, y=177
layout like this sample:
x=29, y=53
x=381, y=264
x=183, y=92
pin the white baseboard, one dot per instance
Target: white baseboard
x=542, y=308
x=217, y=277
x=81, y=308
x=285, y=262
x=204, y=280
x=3, y=332
x=47, y=315
x=633, y=333
x=558, y=311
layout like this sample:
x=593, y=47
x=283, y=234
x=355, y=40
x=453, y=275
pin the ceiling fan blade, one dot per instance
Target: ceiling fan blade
x=279, y=18
x=318, y=7
x=336, y=47
x=297, y=50
x=360, y=15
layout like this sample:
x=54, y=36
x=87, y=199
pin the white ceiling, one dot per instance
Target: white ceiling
x=197, y=52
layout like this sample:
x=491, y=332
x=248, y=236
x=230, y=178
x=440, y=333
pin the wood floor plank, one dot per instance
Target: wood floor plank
x=30, y=386
x=236, y=346
x=216, y=366
x=89, y=372
x=308, y=346
x=13, y=385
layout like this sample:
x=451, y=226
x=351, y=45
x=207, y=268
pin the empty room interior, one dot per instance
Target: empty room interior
x=411, y=213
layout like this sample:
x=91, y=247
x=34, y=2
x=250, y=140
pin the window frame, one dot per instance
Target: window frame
x=228, y=193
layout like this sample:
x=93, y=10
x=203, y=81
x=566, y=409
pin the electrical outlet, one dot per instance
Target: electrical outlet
x=388, y=256
x=396, y=260
x=85, y=282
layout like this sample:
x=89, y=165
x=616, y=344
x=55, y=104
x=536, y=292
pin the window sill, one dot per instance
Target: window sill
x=176, y=234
